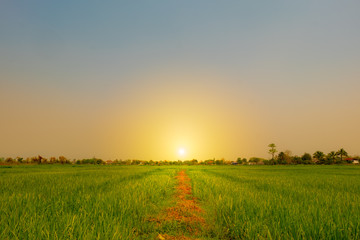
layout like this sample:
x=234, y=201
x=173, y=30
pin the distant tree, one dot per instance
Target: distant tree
x=306, y=158
x=37, y=159
x=288, y=157
x=342, y=153
x=52, y=160
x=44, y=160
x=194, y=162
x=241, y=160
x=99, y=161
x=63, y=160
x=319, y=156
x=220, y=162
x=330, y=157
x=134, y=162
x=93, y=160
x=257, y=160
x=40, y=159
x=296, y=159
x=281, y=158
x=19, y=159
x=9, y=160
x=267, y=162
x=272, y=150
x=254, y=160
x=284, y=157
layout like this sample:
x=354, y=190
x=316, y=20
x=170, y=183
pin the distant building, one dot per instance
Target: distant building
x=352, y=160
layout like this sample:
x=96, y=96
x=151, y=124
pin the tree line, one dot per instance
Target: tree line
x=97, y=161
x=282, y=158
x=318, y=157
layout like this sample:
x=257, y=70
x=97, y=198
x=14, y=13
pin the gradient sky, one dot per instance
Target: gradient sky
x=141, y=79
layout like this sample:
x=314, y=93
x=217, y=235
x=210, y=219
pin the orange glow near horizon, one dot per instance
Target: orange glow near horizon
x=151, y=121
x=183, y=115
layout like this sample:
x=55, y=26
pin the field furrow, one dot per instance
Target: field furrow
x=184, y=219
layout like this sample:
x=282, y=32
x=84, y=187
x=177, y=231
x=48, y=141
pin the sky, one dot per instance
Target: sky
x=145, y=79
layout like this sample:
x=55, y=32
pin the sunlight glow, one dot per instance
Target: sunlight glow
x=181, y=152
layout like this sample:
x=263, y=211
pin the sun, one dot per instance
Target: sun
x=181, y=152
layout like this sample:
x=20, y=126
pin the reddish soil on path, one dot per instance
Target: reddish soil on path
x=185, y=215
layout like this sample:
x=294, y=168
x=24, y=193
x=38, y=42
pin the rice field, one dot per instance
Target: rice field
x=282, y=202
x=149, y=202
x=64, y=202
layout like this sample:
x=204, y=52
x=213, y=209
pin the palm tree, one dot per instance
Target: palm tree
x=331, y=156
x=342, y=153
x=319, y=156
x=272, y=149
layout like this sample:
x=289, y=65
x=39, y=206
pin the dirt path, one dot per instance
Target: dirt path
x=184, y=220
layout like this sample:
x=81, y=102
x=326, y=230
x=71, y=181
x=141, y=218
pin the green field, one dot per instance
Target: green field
x=239, y=202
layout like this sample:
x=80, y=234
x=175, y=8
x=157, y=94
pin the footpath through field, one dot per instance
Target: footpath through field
x=184, y=220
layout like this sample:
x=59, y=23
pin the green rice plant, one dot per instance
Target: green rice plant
x=280, y=202
x=90, y=202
